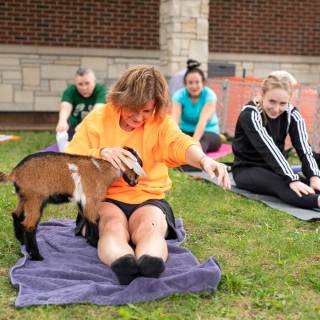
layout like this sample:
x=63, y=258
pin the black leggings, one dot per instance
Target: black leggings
x=264, y=181
x=71, y=132
x=209, y=141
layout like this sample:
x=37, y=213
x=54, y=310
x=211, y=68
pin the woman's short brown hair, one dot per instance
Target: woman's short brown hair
x=137, y=86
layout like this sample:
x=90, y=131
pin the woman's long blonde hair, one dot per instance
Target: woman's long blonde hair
x=137, y=86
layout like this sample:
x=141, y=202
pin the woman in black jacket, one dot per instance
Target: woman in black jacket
x=260, y=165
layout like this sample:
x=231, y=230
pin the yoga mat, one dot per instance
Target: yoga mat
x=4, y=137
x=224, y=150
x=273, y=202
x=52, y=148
x=72, y=273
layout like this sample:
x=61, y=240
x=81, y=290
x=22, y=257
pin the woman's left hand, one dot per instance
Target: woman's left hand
x=216, y=169
x=117, y=156
x=315, y=183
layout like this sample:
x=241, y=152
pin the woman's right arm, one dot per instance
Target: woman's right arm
x=205, y=116
x=176, y=111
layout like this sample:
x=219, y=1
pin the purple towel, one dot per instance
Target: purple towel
x=52, y=148
x=72, y=273
x=296, y=169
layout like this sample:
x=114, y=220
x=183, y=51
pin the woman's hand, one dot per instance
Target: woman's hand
x=216, y=169
x=118, y=157
x=315, y=183
x=300, y=188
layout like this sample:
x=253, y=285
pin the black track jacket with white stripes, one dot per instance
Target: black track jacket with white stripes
x=259, y=141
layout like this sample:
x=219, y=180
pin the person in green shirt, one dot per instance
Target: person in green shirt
x=79, y=99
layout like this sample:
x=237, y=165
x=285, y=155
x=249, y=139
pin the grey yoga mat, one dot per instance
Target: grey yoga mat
x=273, y=202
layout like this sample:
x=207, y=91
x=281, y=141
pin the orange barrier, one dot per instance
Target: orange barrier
x=232, y=93
x=235, y=92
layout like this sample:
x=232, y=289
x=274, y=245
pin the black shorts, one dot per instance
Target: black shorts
x=128, y=210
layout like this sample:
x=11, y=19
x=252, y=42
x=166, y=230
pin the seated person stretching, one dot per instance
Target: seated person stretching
x=258, y=146
x=194, y=109
x=136, y=116
x=79, y=99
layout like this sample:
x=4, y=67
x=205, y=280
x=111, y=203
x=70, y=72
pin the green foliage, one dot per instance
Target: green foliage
x=270, y=261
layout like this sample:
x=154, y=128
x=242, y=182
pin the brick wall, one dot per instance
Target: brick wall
x=132, y=24
x=288, y=27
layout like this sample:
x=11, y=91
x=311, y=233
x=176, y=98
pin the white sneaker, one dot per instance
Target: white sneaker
x=62, y=140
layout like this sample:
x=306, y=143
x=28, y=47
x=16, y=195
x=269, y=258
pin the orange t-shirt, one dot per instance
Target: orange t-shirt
x=160, y=144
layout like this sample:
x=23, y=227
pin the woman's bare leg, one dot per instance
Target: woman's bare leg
x=113, y=233
x=148, y=228
x=113, y=247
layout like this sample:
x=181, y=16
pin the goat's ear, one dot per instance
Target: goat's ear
x=137, y=168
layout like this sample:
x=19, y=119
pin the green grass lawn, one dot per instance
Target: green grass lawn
x=270, y=261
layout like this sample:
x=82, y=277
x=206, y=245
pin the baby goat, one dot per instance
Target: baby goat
x=50, y=177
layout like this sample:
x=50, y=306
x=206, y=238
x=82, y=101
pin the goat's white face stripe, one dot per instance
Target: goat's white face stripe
x=78, y=193
x=96, y=163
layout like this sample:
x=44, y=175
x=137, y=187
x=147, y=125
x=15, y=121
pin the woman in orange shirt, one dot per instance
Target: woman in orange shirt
x=136, y=116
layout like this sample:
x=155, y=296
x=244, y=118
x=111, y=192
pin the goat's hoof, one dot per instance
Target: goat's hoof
x=35, y=256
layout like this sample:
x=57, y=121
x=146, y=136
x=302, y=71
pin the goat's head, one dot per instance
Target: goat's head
x=131, y=176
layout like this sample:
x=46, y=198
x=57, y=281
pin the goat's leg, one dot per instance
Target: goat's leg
x=30, y=240
x=80, y=221
x=32, y=209
x=92, y=233
x=91, y=217
x=90, y=210
x=18, y=217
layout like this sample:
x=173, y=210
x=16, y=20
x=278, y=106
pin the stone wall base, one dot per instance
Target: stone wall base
x=35, y=121
x=33, y=78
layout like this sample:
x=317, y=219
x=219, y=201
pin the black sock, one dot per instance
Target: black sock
x=150, y=266
x=125, y=268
